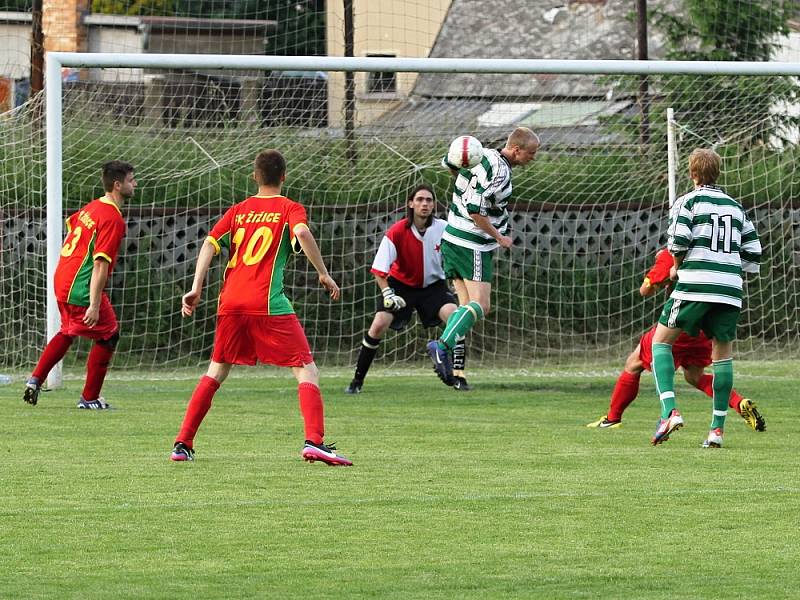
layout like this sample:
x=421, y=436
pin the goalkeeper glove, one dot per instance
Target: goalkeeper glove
x=392, y=301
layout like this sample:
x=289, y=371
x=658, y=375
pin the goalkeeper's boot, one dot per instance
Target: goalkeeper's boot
x=749, y=412
x=32, y=389
x=324, y=453
x=666, y=426
x=441, y=362
x=460, y=384
x=354, y=387
x=604, y=423
x=182, y=452
x=99, y=404
x=714, y=439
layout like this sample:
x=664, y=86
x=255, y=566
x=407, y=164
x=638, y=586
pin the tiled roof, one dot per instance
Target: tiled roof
x=566, y=29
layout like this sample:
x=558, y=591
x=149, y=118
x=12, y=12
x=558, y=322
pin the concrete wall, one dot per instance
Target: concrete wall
x=404, y=29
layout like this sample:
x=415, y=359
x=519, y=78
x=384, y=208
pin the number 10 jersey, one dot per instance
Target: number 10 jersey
x=260, y=235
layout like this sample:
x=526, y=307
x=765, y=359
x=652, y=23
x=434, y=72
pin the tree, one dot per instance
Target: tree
x=744, y=110
x=717, y=108
x=133, y=7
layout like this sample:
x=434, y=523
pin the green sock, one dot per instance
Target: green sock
x=664, y=372
x=723, y=384
x=459, y=324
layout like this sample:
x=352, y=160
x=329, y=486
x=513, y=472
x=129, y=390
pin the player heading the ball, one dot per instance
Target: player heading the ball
x=477, y=223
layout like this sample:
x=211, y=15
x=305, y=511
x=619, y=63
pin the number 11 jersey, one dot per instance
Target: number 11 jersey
x=259, y=234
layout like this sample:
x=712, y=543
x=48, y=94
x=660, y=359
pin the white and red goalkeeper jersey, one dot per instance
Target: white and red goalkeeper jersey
x=411, y=258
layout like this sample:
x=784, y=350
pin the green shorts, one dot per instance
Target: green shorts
x=465, y=263
x=718, y=321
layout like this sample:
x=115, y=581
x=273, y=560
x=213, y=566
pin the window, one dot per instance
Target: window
x=382, y=82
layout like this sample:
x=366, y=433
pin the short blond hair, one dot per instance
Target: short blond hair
x=704, y=166
x=522, y=137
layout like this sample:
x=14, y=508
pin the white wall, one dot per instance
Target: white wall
x=113, y=33
x=15, y=46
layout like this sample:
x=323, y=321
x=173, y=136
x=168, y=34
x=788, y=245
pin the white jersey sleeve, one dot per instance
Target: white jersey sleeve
x=385, y=257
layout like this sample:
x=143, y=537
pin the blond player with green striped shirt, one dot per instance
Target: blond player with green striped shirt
x=712, y=243
x=477, y=223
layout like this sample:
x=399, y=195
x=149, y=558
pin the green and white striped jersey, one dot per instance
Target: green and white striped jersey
x=718, y=242
x=485, y=189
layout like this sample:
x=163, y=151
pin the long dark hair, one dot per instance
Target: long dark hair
x=410, y=211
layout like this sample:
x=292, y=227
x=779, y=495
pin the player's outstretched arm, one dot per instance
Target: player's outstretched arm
x=192, y=298
x=311, y=250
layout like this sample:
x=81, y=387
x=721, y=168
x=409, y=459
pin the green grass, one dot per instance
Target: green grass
x=499, y=493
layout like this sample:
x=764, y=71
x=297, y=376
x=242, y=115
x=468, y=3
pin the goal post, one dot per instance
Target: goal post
x=578, y=290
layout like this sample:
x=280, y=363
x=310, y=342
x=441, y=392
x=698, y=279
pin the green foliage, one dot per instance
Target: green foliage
x=718, y=108
x=16, y=5
x=133, y=7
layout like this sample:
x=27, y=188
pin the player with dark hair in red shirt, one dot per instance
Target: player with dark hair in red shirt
x=88, y=256
x=691, y=353
x=255, y=320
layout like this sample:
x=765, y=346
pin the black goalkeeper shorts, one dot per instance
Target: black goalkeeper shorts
x=427, y=301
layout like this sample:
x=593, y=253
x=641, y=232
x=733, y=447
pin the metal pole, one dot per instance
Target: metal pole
x=349, y=87
x=425, y=65
x=54, y=215
x=672, y=155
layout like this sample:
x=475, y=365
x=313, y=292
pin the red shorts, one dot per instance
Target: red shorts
x=271, y=339
x=72, y=320
x=687, y=351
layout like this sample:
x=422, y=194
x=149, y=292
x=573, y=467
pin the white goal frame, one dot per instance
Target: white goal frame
x=57, y=60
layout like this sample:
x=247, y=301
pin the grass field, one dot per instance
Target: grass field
x=497, y=493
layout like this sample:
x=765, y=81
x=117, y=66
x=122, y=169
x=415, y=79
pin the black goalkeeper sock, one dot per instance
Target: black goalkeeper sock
x=369, y=347
x=459, y=355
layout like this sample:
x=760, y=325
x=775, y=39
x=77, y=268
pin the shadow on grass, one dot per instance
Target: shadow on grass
x=566, y=387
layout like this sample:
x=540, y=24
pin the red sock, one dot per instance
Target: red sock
x=54, y=351
x=199, y=404
x=312, y=410
x=706, y=385
x=625, y=392
x=736, y=397
x=96, y=369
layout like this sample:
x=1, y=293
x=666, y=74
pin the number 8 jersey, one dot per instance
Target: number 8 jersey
x=260, y=234
x=94, y=232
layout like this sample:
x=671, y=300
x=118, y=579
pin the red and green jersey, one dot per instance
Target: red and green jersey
x=94, y=232
x=260, y=235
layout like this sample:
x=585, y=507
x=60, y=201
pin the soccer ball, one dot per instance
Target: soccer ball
x=465, y=152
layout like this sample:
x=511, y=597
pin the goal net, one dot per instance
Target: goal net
x=588, y=215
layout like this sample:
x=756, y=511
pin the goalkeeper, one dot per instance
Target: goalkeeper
x=408, y=271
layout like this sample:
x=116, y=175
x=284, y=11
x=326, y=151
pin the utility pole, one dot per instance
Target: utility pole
x=349, y=87
x=37, y=48
x=642, y=54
